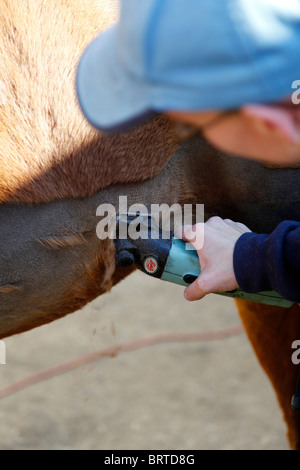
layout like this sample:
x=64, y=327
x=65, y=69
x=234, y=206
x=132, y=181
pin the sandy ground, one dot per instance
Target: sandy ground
x=178, y=396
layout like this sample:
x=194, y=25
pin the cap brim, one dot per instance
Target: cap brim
x=111, y=100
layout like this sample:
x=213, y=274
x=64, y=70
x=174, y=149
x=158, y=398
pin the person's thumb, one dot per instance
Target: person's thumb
x=199, y=289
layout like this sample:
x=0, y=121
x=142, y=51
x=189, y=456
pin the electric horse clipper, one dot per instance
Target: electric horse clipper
x=166, y=257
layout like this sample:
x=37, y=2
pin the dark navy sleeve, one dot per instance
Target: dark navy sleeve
x=270, y=262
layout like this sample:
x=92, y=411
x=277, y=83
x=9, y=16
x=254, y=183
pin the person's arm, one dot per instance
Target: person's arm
x=232, y=256
x=270, y=262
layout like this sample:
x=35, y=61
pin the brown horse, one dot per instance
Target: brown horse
x=55, y=170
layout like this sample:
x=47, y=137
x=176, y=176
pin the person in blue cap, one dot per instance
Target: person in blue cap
x=230, y=68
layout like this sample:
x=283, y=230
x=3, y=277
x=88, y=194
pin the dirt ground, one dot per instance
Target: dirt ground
x=177, y=396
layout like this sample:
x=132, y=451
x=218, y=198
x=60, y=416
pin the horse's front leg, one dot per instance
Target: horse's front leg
x=272, y=331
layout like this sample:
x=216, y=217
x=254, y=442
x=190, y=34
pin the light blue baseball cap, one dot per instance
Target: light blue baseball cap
x=165, y=55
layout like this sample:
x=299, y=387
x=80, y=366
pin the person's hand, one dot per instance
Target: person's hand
x=216, y=256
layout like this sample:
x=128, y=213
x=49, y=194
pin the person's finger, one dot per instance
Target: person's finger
x=237, y=225
x=193, y=234
x=179, y=232
x=185, y=233
x=215, y=221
